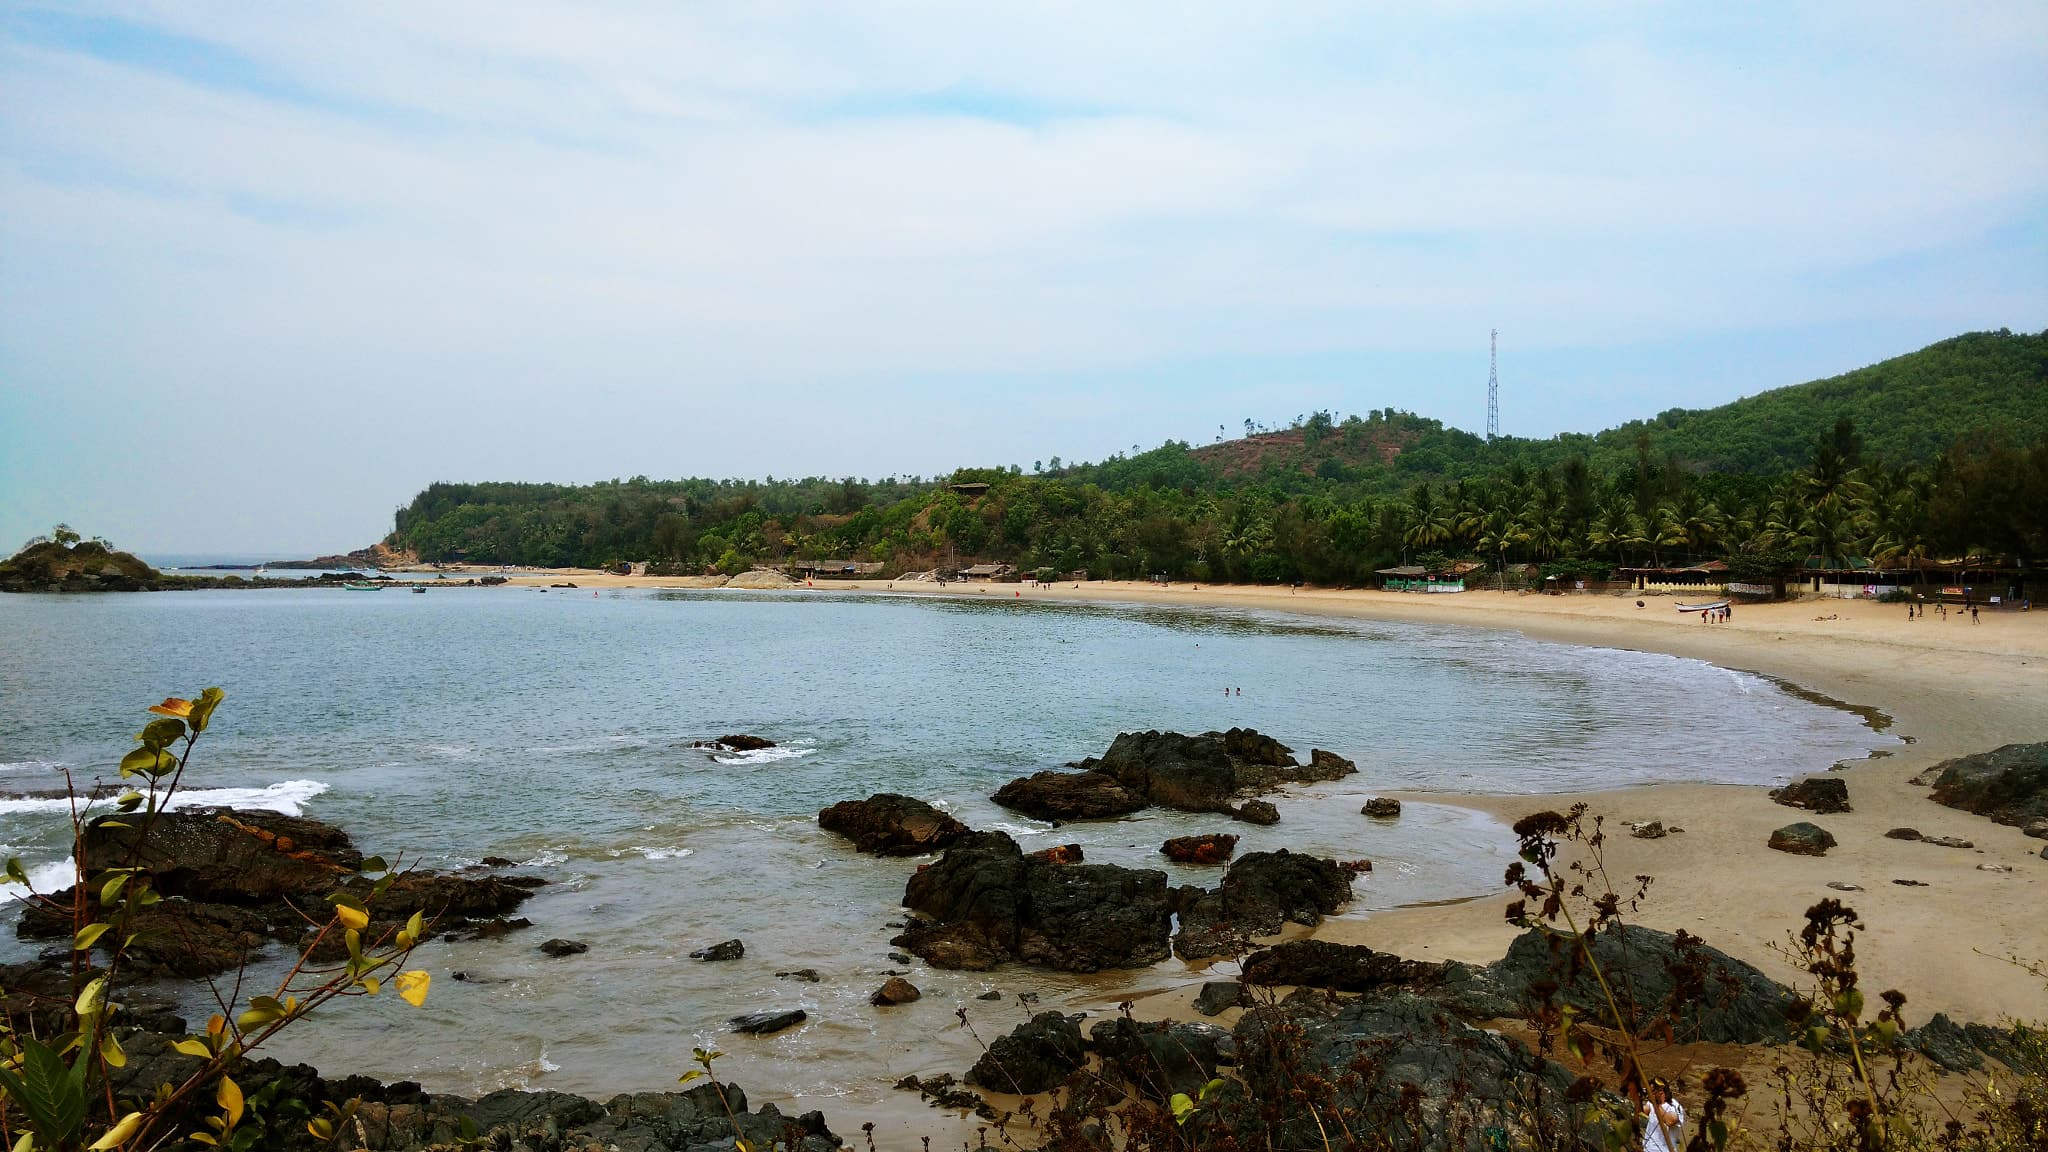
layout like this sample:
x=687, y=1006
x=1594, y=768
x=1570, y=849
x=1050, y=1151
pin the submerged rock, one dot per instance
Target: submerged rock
x=729, y=950
x=888, y=824
x=763, y=1023
x=559, y=947
x=1802, y=839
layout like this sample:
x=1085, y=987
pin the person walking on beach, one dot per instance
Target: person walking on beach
x=1973, y=614
x=1663, y=1120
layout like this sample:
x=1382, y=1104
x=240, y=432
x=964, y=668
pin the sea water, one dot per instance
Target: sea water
x=554, y=728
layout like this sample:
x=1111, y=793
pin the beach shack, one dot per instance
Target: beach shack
x=989, y=572
x=834, y=569
x=1416, y=578
x=1705, y=579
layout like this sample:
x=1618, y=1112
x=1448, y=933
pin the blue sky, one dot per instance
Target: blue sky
x=267, y=270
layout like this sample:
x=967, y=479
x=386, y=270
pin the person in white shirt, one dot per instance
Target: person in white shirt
x=1663, y=1120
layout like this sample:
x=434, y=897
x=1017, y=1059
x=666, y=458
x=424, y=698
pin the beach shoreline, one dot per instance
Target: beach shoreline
x=1949, y=687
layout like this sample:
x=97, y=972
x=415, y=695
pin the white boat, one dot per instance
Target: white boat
x=1712, y=607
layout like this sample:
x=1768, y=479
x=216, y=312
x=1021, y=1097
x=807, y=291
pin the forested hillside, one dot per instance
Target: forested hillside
x=1938, y=453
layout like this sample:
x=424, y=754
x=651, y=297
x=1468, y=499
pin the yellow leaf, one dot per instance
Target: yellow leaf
x=87, y=935
x=110, y=1051
x=413, y=986
x=371, y=986
x=193, y=1048
x=354, y=918
x=203, y=1138
x=230, y=1099
x=92, y=998
x=118, y=1134
x=172, y=706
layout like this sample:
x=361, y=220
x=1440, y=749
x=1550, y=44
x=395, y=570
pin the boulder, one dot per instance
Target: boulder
x=1218, y=995
x=1056, y=795
x=1654, y=830
x=1057, y=855
x=1207, y=848
x=560, y=947
x=1325, y=766
x=1257, y=812
x=729, y=950
x=1251, y=746
x=227, y=856
x=1035, y=1057
x=1193, y=773
x=742, y=743
x=1336, y=967
x=896, y=990
x=1945, y=1044
x=807, y=975
x=2009, y=784
x=1261, y=892
x=763, y=1023
x=1903, y=834
x=1816, y=794
x=1802, y=839
x=2037, y=828
x=1161, y=1057
x=1381, y=808
x=887, y=824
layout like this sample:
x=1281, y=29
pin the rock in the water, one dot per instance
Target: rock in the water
x=1217, y=996
x=807, y=975
x=1947, y=841
x=1257, y=812
x=1193, y=773
x=228, y=856
x=1381, y=808
x=736, y=743
x=1207, y=848
x=896, y=990
x=763, y=1023
x=984, y=901
x=1815, y=794
x=991, y=994
x=1261, y=892
x=1802, y=839
x=729, y=950
x=888, y=824
x=1654, y=830
x=1336, y=967
x=560, y=947
x=1055, y=795
x=1035, y=1057
x=2009, y=784
x=1903, y=834
x=1325, y=766
x=1058, y=854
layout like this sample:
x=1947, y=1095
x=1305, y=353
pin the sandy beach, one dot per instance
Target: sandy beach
x=1948, y=686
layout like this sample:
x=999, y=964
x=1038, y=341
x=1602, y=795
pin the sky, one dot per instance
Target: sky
x=266, y=270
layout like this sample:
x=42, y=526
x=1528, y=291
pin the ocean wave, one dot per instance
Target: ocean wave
x=1018, y=829
x=762, y=755
x=54, y=876
x=30, y=765
x=548, y=858
x=652, y=853
x=288, y=797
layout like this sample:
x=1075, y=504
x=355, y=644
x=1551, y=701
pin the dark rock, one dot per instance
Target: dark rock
x=1192, y=773
x=1261, y=892
x=1325, y=766
x=2009, y=784
x=1816, y=794
x=1337, y=967
x=1910, y=883
x=888, y=824
x=1254, y=747
x=1207, y=848
x=559, y=947
x=1654, y=830
x=991, y=994
x=1035, y=1057
x=477, y=930
x=1055, y=795
x=735, y=743
x=942, y=1092
x=807, y=975
x=1382, y=808
x=763, y=1023
x=729, y=950
x=1708, y=994
x=229, y=856
x=1218, y=995
x=1802, y=839
x=2037, y=828
x=896, y=990
x=1058, y=855
x=984, y=901
x=1257, y=812
x=1947, y=841
x=1903, y=834
x=1945, y=1044
x=1160, y=1058
x=900, y=957
x=497, y=862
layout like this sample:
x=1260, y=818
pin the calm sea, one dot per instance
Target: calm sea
x=552, y=728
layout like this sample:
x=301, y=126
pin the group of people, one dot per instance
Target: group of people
x=1719, y=615
x=1915, y=610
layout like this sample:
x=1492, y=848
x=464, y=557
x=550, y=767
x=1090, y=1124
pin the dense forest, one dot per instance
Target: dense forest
x=1937, y=454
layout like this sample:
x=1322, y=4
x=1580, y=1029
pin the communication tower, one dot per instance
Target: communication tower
x=1493, y=386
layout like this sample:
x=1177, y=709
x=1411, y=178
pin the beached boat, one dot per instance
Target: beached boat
x=420, y=588
x=354, y=586
x=1713, y=606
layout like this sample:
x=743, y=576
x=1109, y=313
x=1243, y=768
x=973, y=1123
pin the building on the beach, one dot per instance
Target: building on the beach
x=1709, y=577
x=834, y=569
x=1416, y=578
x=1991, y=581
x=989, y=572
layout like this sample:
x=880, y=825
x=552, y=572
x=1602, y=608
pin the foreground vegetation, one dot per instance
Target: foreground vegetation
x=1939, y=454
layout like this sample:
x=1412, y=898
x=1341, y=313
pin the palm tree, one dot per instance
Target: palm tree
x=1500, y=533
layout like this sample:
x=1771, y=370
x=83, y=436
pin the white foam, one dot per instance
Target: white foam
x=548, y=858
x=30, y=765
x=653, y=853
x=54, y=876
x=762, y=755
x=288, y=797
x=1018, y=829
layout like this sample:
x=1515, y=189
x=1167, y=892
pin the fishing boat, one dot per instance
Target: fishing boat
x=357, y=586
x=420, y=589
x=1715, y=606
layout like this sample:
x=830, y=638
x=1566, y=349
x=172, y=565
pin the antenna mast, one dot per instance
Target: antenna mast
x=1493, y=386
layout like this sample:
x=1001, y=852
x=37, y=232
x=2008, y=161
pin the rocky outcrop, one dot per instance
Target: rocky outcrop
x=1261, y=892
x=1381, y=808
x=740, y=742
x=1802, y=839
x=1817, y=794
x=2009, y=784
x=1202, y=773
x=1035, y=1057
x=888, y=824
x=722, y=952
x=895, y=990
x=1219, y=996
x=1336, y=967
x=1257, y=812
x=1161, y=1057
x=1207, y=848
x=233, y=881
x=984, y=902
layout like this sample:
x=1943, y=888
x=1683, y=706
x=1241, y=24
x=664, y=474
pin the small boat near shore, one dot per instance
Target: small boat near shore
x=356, y=586
x=1712, y=606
